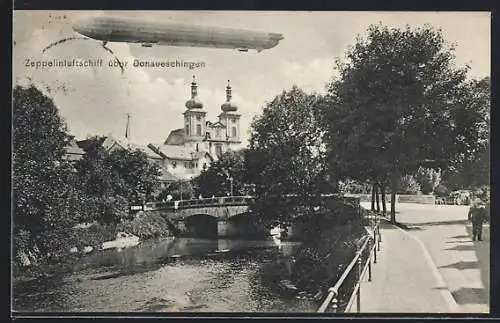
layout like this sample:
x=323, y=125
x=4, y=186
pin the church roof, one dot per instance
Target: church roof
x=217, y=124
x=176, y=137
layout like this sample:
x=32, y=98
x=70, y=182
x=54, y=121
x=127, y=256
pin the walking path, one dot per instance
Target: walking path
x=403, y=280
x=432, y=266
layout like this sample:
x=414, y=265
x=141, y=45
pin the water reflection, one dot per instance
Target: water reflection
x=163, y=251
x=182, y=274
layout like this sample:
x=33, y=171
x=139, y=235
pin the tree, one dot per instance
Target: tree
x=115, y=179
x=428, y=179
x=408, y=185
x=286, y=154
x=140, y=177
x=45, y=199
x=398, y=91
x=215, y=180
x=181, y=190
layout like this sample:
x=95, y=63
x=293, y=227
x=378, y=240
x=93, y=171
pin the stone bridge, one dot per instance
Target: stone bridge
x=218, y=216
x=229, y=216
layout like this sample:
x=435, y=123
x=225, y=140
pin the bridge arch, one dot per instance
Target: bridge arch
x=201, y=225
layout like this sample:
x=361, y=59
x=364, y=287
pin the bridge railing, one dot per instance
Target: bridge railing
x=339, y=297
x=182, y=204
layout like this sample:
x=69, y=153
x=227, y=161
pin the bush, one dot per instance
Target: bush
x=408, y=185
x=146, y=226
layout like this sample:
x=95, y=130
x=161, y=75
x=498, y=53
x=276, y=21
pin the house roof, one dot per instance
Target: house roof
x=74, y=149
x=176, y=137
x=148, y=151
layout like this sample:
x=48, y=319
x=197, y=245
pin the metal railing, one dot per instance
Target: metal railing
x=366, y=254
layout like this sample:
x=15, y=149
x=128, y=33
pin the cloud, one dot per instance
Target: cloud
x=312, y=76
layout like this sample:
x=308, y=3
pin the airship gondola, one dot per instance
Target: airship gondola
x=149, y=33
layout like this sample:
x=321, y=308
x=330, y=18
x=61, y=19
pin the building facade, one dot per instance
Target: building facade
x=201, y=141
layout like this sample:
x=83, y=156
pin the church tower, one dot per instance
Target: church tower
x=230, y=118
x=194, y=118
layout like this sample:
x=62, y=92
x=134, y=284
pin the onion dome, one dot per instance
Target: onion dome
x=194, y=102
x=228, y=106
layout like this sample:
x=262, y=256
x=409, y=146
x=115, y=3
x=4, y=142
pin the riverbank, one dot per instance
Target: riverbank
x=325, y=251
x=85, y=239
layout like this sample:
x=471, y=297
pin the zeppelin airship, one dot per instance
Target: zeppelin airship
x=149, y=33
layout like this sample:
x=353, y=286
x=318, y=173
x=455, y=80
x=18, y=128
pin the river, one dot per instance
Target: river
x=171, y=275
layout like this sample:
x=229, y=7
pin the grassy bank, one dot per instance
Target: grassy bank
x=145, y=226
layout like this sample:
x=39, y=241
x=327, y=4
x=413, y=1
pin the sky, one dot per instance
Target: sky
x=95, y=101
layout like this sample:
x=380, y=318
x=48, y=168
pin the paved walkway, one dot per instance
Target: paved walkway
x=433, y=266
x=464, y=264
x=403, y=280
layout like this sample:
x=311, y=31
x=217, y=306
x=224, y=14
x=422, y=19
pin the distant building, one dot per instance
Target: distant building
x=188, y=150
x=73, y=152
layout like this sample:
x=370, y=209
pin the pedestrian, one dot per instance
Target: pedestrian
x=477, y=215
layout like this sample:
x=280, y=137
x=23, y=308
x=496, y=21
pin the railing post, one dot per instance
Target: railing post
x=334, y=305
x=369, y=259
x=379, y=236
x=375, y=242
x=358, y=296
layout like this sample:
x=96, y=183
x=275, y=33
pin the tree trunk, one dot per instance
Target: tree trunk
x=373, y=197
x=393, y=201
x=377, y=198
x=384, y=206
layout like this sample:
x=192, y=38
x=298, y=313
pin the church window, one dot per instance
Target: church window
x=198, y=129
x=187, y=129
x=198, y=118
x=174, y=164
x=234, y=131
x=218, y=150
x=234, y=120
x=217, y=132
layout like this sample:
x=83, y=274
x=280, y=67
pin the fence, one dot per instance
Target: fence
x=339, y=297
x=400, y=198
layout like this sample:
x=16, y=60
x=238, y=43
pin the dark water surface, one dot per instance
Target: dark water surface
x=181, y=275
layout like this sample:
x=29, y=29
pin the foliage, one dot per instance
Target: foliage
x=146, y=226
x=178, y=191
x=286, y=154
x=442, y=190
x=45, y=201
x=355, y=187
x=139, y=176
x=114, y=179
x=428, y=179
x=408, y=185
x=398, y=91
x=215, y=179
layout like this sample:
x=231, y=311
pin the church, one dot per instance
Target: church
x=188, y=150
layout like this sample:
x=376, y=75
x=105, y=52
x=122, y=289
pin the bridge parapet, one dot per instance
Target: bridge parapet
x=197, y=203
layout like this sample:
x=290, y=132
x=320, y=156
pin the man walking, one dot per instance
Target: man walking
x=477, y=215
